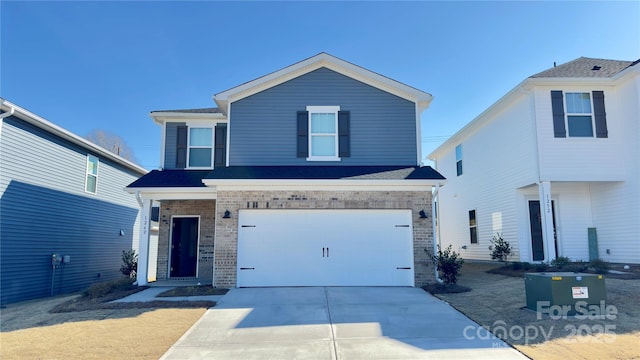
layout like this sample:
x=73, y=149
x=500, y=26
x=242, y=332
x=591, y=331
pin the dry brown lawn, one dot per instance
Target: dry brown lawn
x=497, y=302
x=29, y=331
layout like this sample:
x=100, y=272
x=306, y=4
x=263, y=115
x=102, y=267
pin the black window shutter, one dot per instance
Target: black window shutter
x=600, y=114
x=557, y=107
x=220, y=152
x=344, y=134
x=303, y=134
x=181, y=147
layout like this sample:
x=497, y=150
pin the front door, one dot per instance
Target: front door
x=184, y=246
x=535, y=220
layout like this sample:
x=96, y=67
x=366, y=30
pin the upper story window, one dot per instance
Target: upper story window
x=323, y=132
x=579, y=114
x=200, y=154
x=459, y=159
x=91, y=180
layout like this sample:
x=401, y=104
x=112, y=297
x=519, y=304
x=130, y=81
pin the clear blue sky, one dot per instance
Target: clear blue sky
x=106, y=65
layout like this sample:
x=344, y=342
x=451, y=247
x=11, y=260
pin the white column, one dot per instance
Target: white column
x=143, y=247
x=546, y=212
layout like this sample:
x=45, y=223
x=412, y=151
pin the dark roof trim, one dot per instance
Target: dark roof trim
x=194, y=178
x=324, y=173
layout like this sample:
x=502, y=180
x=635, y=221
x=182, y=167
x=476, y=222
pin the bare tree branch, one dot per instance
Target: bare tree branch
x=113, y=143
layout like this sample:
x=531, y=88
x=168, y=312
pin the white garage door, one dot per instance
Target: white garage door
x=325, y=248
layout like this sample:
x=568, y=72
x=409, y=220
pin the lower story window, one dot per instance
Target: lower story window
x=473, y=227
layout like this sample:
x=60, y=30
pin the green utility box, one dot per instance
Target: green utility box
x=564, y=289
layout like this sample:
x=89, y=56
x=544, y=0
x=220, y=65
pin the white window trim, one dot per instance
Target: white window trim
x=567, y=114
x=323, y=109
x=200, y=125
x=87, y=174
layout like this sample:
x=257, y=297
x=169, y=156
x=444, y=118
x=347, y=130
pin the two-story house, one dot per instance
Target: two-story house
x=553, y=166
x=309, y=175
x=64, y=219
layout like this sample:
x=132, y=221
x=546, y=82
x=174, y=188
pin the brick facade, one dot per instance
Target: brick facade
x=206, y=210
x=226, y=237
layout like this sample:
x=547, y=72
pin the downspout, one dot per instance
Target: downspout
x=436, y=229
x=8, y=113
x=139, y=199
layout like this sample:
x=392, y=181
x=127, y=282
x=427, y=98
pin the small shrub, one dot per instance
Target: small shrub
x=516, y=265
x=577, y=266
x=526, y=265
x=129, y=267
x=542, y=267
x=560, y=262
x=599, y=266
x=448, y=264
x=101, y=289
x=500, y=248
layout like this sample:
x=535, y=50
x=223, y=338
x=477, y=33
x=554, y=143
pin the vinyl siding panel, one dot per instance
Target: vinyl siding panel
x=496, y=161
x=45, y=210
x=263, y=126
x=171, y=141
x=571, y=158
x=616, y=205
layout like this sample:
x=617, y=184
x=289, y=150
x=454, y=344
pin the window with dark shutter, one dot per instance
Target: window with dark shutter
x=220, y=152
x=181, y=147
x=557, y=107
x=344, y=134
x=600, y=114
x=303, y=134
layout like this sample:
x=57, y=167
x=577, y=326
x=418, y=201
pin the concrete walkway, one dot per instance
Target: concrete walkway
x=151, y=293
x=335, y=323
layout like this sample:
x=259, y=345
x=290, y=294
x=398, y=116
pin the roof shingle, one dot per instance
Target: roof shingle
x=584, y=67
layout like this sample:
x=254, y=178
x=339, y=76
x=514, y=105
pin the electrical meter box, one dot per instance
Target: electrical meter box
x=564, y=288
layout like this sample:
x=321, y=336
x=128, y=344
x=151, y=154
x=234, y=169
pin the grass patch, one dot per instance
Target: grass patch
x=193, y=291
x=445, y=288
x=99, y=296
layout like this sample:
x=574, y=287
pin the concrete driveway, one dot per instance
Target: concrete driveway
x=335, y=323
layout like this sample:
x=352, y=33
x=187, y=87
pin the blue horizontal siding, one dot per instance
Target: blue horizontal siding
x=45, y=210
x=263, y=126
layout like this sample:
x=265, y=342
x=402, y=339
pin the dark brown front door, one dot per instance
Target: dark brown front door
x=184, y=246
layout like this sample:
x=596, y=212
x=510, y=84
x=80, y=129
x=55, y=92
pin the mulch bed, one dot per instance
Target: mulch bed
x=193, y=291
x=445, y=288
x=632, y=273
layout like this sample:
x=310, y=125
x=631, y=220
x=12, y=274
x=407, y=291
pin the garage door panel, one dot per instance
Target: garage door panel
x=325, y=248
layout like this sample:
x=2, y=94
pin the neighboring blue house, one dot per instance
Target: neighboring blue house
x=307, y=176
x=59, y=194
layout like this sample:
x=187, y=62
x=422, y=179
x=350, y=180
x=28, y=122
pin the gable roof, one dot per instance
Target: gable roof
x=333, y=63
x=572, y=72
x=25, y=115
x=584, y=67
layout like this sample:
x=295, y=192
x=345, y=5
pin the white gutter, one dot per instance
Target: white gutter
x=435, y=228
x=8, y=113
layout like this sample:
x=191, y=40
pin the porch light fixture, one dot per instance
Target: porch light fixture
x=423, y=215
x=227, y=214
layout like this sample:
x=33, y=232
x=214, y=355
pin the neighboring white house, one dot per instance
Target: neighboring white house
x=567, y=138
